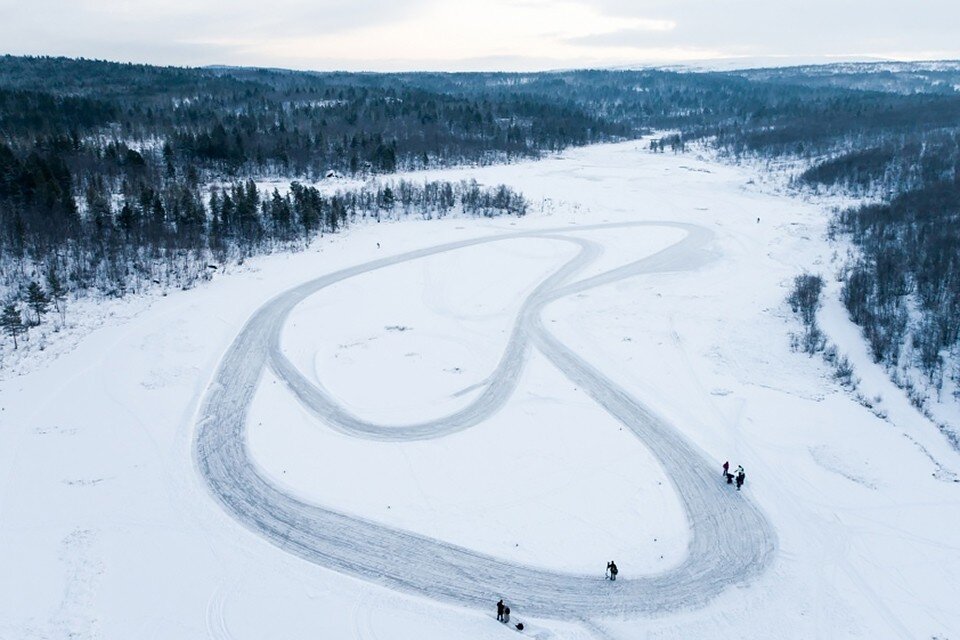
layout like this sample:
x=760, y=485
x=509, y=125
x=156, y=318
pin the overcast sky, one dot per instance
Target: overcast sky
x=381, y=35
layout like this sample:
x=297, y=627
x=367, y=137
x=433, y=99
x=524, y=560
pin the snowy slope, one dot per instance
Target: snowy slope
x=109, y=531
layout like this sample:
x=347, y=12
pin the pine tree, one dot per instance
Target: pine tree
x=37, y=300
x=11, y=322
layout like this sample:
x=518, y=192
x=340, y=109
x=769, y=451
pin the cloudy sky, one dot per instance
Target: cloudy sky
x=382, y=35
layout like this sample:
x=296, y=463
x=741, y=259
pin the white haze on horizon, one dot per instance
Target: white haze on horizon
x=379, y=35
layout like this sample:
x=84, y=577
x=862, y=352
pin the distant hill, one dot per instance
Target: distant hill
x=942, y=76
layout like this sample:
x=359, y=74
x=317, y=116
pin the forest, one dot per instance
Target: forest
x=899, y=150
x=115, y=177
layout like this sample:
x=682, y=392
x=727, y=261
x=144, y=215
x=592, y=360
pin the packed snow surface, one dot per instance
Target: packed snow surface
x=383, y=435
x=730, y=539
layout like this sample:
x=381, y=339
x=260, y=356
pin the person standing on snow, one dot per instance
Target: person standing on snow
x=741, y=476
x=500, y=608
x=726, y=468
x=612, y=570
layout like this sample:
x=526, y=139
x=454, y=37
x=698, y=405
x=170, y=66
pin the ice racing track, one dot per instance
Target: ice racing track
x=730, y=539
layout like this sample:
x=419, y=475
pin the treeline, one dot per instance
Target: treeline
x=116, y=159
x=941, y=77
x=900, y=147
x=242, y=122
x=174, y=234
x=904, y=291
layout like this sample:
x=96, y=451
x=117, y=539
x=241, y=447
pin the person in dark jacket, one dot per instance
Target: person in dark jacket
x=612, y=570
x=741, y=476
x=500, y=609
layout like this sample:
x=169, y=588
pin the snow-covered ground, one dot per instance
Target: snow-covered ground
x=414, y=345
x=108, y=531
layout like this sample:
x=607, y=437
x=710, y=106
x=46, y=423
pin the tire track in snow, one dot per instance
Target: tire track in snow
x=730, y=539
x=216, y=621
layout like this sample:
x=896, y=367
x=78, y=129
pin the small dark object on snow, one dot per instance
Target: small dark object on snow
x=612, y=570
x=729, y=478
x=519, y=626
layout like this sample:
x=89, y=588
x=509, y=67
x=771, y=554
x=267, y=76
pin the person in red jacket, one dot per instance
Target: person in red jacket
x=726, y=472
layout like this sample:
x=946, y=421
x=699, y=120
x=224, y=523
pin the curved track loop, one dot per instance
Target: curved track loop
x=730, y=538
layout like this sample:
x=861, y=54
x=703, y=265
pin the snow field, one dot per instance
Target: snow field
x=413, y=341
x=108, y=532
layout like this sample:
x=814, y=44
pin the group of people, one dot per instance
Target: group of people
x=739, y=475
x=503, y=611
x=503, y=615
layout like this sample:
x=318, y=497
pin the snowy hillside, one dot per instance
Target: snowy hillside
x=381, y=436
x=933, y=76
